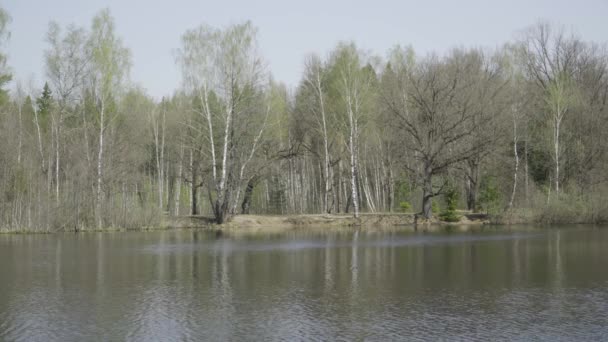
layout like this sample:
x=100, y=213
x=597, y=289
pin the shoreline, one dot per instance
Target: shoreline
x=275, y=223
x=312, y=222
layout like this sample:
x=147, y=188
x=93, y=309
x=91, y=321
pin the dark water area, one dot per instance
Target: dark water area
x=499, y=284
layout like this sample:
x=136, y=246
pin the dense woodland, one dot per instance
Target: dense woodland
x=519, y=132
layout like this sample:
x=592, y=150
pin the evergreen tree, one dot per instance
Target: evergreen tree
x=45, y=105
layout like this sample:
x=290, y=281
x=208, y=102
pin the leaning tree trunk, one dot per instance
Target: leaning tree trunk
x=220, y=207
x=248, y=195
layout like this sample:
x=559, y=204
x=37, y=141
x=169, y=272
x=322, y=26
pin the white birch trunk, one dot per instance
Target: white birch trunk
x=178, y=181
x=516, y=160
x=100, y=164
x=205, y=99
x=353, y=159
x=319, y=89
x=556, y=145
x=37, y=123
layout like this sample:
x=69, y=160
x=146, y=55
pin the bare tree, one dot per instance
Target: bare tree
x=439, y=106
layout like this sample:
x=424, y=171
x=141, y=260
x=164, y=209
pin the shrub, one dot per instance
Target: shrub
x=451, y=199
x=435, y=206
x=489, y=196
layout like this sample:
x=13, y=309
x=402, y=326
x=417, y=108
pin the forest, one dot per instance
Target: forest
x=518, y=132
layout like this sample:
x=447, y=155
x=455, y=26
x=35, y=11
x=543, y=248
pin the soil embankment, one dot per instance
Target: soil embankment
x=320, y=221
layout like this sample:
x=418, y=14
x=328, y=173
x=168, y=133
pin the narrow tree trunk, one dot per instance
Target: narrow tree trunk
x=37, y=122
x=194, y=193
x=172, y=177
x=353, y=161
x=326, y=208
x=100, y=165
x=526, y=171
x=86, y=137
x=192, y=172
x=57, y=131
x=20, y=142
x=557, y=124
x=391, y=189
x=427, y=194
x=353, y=180
x=162, y=162
x=178, y=181
x=516, y=168
x=205, y=99
x=248, y=194
x=472, y=184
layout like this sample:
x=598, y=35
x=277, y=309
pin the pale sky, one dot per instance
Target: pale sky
x=289, y=30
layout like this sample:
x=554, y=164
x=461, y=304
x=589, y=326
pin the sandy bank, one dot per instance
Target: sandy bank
x=268, y=223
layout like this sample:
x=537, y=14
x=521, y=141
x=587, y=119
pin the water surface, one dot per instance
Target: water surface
x=499, y=284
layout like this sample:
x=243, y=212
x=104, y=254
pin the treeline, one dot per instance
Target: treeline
x=519, y=132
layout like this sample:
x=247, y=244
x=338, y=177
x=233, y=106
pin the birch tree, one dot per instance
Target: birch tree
x=111, y=62
x=316, y=83
x=551, y=59
x=560, y=97
x=353, y=83
x=225, y=65
x=67, y=62
x=5, y=75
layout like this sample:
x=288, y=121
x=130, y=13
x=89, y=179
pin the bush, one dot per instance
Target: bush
x=489, y=196
x=402, y=193
x=451, y=199
x=435, y=206
x=565, y=208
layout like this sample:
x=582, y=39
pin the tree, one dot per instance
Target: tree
x=550, y=59
x=560, y=97
x=111, y=62
x=315, y=84
x=224, y=66
x=5, y=75
x=439, y=106
x=67, y=61
x=353, y=84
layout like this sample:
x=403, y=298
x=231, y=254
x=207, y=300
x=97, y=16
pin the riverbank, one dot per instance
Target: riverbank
x=278, y=223
x=272, y=223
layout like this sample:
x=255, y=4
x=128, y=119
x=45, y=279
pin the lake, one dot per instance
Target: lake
x=497, y=284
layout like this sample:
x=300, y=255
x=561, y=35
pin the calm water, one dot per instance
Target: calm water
x=186, y=285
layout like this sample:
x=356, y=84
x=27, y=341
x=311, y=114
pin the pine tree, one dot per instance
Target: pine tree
x=45, y=104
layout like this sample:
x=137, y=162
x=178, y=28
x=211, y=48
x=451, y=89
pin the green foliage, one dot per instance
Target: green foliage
x=45, y=105
x=110, y=59
x=435, y=206
x=402, y=192
x=5, y=75
x=539, y=163
x=489, y=195
x=405, y=206
x=564, y=209
x=451, y=199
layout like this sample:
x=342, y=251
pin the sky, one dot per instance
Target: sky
x=291, y=30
